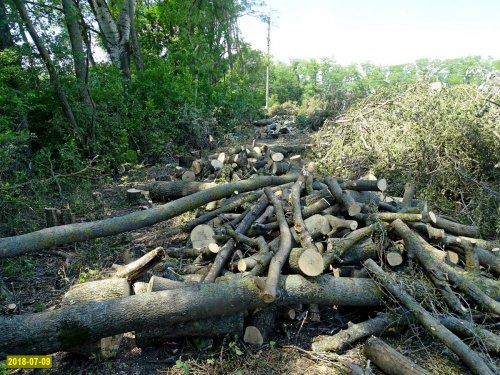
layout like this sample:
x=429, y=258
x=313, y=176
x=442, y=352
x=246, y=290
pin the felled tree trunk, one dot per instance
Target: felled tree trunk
x=163, y=191
x=51, y=331
x=101, y=290
x=46, y=238
x=390, y=360
x=217, y=326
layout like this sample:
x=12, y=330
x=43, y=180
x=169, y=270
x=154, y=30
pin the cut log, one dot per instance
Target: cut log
x=419, y=248
x=456, y=228
x=137, y=268
x=102, y=290
x=393, y=258
x=280, y=167
x=67, y=216
x=188, y=176
x=357, y=253
x=134, y=196
x=260, y=325
x=157, y=284
x=217, y=326
x=202, y=236
x=226, y=251
x=296, y=163
x=351, y=206
x=408, y=194
x=390, y=360
x=471, y=358
x=277, y=156
x=354, y=333
x=52, y=331
x=337, y=247
x=336, y=224
x=140, y=287
x=51, y=217
x=307, y=262
x=317, y=224
x=163, y=191
x=452, y=257
x=217, y=164
x=314, y=313
x=365, y=185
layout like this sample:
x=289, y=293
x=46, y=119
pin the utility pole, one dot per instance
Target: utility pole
x=268, y=19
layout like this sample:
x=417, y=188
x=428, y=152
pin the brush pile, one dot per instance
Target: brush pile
x=261, y=249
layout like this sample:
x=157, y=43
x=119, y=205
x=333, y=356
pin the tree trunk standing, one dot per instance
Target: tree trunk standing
x=44, y=53
x=72, y=17
x=115, y=34
x=134, y=38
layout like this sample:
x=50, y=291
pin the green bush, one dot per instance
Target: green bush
x=444, y=140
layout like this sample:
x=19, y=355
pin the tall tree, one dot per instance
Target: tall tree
x=115, y=33
x=45, y=55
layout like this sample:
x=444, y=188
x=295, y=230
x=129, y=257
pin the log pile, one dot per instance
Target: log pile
x=273, y=244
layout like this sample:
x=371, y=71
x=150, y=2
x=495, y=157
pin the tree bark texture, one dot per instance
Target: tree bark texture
x=46, y=238
x=44, y=53
x=55, y=330
x=390, y=360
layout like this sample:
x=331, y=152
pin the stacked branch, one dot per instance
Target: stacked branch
x=251, y=253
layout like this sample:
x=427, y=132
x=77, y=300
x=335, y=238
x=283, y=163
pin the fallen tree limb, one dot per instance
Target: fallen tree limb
x=354, y=333
x=137, y=268
x=163, y=191
x=471, y=358
x=350, y=205
x=390, y=360
x=227, y=250
x=419, y=248
x=285, y=245
x=48, y=237
x=56, y=330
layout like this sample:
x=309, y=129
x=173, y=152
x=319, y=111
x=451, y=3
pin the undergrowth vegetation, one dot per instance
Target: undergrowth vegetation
x=445, y=139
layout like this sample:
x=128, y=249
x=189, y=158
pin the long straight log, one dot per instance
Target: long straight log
x=48, y=237
x=52, y=331
x=390, y=360
x=471, y=358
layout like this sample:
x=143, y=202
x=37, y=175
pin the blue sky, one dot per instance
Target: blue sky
x=383, y=31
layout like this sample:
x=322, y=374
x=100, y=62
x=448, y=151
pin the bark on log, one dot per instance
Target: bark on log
x=163, y=191
x=51, y=217
x=336, y=224
x=456, y=228
x=139, y=267
x=359, y=252
x=217, y=326
x=260, y=325
x=354, y=333
x=408, y=194
x=46, y=238
x=285, y=245
x=226, y=251
x=365, y=185
x=307, y=262
x=418, y=247
x=472, y=359
x=100, y=290
x=279, y=168
x=157, y=284
x=351, y=206
x=337, y=247
x=390, y=360
x=55, y=330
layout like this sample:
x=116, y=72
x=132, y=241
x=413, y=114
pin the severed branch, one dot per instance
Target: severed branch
x=471, y=358
x=285, y=245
